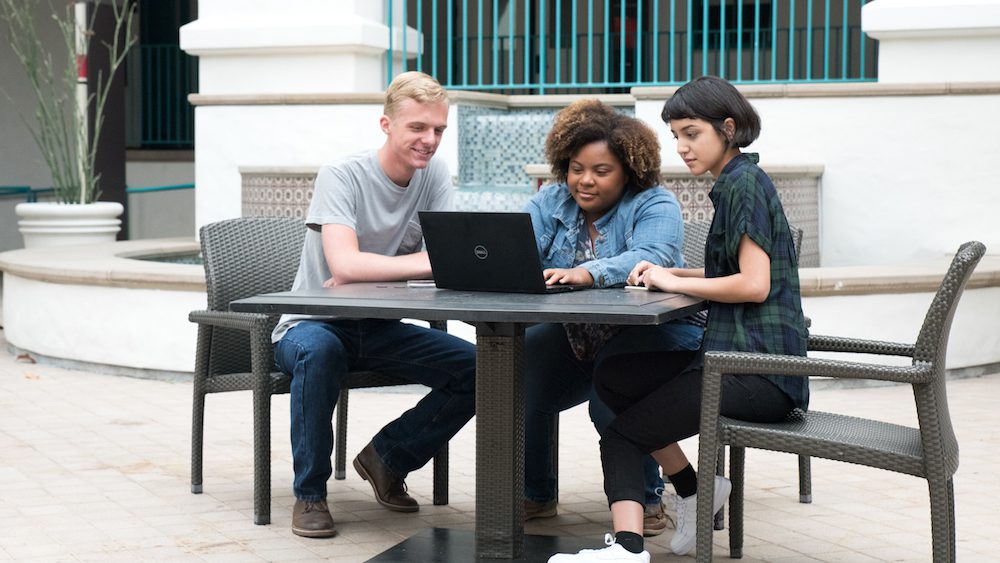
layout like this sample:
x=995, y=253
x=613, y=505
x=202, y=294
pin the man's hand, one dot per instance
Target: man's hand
x=568, y=276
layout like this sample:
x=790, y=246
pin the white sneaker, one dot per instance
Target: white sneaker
x=614, y=552
x=687, y=513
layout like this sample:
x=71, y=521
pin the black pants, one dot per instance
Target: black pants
x=657, y=401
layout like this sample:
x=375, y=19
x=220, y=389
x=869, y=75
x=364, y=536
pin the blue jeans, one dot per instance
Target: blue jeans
x=555, y=380
x=319, y=354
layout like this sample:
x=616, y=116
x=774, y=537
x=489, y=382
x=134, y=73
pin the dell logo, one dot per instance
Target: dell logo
x=481, y=252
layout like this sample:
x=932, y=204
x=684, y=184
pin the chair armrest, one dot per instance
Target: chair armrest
x=821, y=343
x=736, y=363
x=257, y=327
x=248, y=322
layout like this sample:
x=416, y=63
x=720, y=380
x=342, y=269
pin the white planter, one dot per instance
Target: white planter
x=57, y=224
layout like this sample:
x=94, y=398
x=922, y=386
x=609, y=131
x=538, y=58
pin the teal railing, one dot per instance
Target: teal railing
x=150, y=189
x=566, y=46
x=15, y=191
x=29, y=194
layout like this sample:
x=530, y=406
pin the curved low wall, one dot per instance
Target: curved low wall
x=93, y=304
x=889, y=303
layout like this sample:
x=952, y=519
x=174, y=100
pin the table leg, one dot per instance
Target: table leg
x=499, y=441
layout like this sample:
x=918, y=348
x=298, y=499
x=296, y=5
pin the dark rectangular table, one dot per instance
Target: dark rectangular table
x=500, y=320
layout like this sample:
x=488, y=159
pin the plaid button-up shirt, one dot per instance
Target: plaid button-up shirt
x=746, y=203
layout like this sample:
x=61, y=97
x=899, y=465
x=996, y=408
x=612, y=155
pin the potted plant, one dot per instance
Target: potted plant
x=59, y=124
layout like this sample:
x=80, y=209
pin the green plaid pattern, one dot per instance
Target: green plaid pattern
x=746, y=203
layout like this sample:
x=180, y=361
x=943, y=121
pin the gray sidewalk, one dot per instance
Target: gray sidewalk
x=96, y=468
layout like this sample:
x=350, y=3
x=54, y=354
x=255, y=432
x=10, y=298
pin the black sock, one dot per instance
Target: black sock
x=685, y=481
x=632, y=542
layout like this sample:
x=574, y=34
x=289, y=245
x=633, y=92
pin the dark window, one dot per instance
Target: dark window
x=735, y=27
x=161, y=77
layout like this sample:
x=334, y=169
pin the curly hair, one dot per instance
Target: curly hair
x=632, y=142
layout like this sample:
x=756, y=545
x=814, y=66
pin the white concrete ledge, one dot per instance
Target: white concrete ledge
x=924, y=277
x=890, y=19
x=93, y=304
x=109, y=265
x=487, y=99
x=839, y=90
x=347, y=98
x=507, y=101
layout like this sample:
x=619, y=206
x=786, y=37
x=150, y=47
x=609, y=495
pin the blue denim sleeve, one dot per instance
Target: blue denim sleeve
x=654, y=232
x=538, y=222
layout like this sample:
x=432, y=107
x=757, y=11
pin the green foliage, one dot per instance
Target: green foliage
x=59, y=127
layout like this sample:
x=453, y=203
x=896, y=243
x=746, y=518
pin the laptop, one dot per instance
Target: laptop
x=485, y=251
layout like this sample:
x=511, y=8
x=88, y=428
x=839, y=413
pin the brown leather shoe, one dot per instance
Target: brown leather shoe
x=390, y=490
x=312, y=519
x=655, y=520
x=534, y=509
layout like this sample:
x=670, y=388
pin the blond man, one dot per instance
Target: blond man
x=363, y=227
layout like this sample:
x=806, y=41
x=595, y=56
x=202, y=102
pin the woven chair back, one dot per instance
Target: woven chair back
x=245, y=257
x=696, y=232
x=248, y=256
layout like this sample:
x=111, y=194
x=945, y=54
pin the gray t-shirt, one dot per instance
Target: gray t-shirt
x=355, y=192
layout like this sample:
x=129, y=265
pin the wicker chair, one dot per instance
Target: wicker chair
x=245, y=257
x=693, y=249
x=929, y=451
x=695, y=234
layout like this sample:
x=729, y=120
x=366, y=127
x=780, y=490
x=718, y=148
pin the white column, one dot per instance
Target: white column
x=267, y=48
x=935, y=40
x=292, y=46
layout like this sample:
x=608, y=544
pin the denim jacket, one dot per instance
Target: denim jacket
x=642, y=226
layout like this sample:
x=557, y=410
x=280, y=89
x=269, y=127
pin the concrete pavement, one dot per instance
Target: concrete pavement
x=96, y=468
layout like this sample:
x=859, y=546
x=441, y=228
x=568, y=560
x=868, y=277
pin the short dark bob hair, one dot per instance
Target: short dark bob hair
x=632, y=142
x=713, y=99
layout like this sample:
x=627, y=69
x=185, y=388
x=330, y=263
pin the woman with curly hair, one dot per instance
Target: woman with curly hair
x=750, y=281
x=605, y=213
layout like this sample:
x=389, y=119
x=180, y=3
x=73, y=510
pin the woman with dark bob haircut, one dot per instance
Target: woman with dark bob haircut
x=605, y=213
x=713, y=100
x=750, y=281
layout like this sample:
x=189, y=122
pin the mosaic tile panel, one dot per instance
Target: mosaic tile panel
x=799, y=196
x=276, y=194
x=494, y=144
x=692, y=193
x=492, y=200
x=273, y=194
